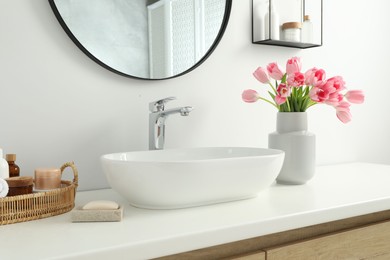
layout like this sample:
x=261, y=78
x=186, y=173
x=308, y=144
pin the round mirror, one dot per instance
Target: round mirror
x=145, y=39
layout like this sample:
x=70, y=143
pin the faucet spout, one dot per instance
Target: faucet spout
x=157, y=120
x=183, y=111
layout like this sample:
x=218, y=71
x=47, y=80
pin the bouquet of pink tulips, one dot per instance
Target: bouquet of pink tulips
x=295, y=91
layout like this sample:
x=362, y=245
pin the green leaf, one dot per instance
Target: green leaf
x=307, y=90
x=296, y=107
x=284, y=78
x=305, y=104
x=299, y=101
x=272, y=95
x=299, y=92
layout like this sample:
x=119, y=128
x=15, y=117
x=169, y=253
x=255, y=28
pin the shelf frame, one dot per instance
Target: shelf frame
x=281, y=43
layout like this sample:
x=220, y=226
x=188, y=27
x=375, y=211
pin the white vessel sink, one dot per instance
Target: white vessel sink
x=180, y=178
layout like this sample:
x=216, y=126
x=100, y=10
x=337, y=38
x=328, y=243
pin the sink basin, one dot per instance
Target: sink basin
x=180, y=178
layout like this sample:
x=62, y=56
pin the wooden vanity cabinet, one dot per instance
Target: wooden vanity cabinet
x=362, y=237
x=260, y=255
x=369, y=242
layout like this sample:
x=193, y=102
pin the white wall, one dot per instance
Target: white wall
x=57, y=105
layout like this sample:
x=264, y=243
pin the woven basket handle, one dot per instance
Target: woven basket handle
x=74, y=169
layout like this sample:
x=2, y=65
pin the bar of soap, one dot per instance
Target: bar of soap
x=101, y=205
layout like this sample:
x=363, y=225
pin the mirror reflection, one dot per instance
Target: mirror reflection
x=144, y=38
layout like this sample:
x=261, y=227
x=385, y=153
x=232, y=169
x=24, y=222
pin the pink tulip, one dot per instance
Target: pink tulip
x=337, y=83
x=309, y=75
x=250, y=96
x=261, y=75
x=319, y=95
x=334, y=99
x=343, y=112
x=275, y=71
x=293, y=65
x=283, y=91
x=314, y=76
x=280, y=100
x=296, y=79
x=355, y=96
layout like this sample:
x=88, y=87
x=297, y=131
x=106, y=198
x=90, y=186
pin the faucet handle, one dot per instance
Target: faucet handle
x=158, y=105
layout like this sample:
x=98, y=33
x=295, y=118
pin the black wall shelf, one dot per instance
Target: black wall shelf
x=298, y=45
x=318, y=6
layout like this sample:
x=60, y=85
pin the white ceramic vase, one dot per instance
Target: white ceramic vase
x=292, y=137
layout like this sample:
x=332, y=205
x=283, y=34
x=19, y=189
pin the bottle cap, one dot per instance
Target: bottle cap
x=306, y=18
x=292, y=25
x=10, y=157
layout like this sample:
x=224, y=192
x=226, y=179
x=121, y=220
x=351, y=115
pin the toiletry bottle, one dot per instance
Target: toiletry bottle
x=4, y=169
x=14, y=170
x=47, y=178
x=307, y=30
x=20, y=185
x=291, y=31
x=272, y=31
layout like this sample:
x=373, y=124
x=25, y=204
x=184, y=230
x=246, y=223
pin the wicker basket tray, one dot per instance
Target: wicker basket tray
x=41, y=204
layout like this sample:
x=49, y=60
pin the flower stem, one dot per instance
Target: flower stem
x=266, y=100
x=273, y=88
x=288, y=105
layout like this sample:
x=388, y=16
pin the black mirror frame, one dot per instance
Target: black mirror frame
x=224, y=24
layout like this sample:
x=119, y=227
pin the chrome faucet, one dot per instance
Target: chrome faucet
x=157, y=117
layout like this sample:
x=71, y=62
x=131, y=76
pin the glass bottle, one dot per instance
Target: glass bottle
x=4, y=167
x=307, y=30
x=14, y=170
x=271, y=21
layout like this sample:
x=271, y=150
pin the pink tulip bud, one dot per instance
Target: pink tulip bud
x=343, y=112
x=319, y=94
x=297, y=79
x=280, y=100
x=293, y=65
x=261, y=75
x=250, y=96
x=355, y=96
x=337, y=83
x=334, y=99
x=275, y=71
x=314, y=76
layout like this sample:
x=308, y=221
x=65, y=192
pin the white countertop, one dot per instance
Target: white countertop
x=336, y=192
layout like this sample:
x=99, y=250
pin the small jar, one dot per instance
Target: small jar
x=292, y=31
x=47, y=178
x=20, y=185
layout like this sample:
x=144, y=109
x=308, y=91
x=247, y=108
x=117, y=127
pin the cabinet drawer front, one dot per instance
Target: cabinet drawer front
x=366, y=242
